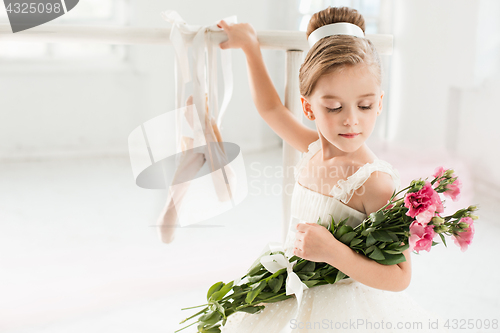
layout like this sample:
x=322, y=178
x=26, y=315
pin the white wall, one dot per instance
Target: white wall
x=445, y=83
x=433, y=50
x=443, y=53
x=52, y=110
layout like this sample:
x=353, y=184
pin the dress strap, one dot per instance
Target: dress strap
x=311, y=150
x=344, y=189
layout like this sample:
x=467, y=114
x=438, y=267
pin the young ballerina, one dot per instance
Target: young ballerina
x=338, y=176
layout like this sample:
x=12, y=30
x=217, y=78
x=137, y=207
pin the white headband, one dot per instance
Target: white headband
x=339, y=28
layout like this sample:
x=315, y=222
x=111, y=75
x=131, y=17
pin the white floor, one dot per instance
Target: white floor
x=78, y=252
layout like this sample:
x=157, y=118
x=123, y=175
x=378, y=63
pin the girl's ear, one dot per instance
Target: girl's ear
x=306, y=107
x=380, y=103
x=305, y=104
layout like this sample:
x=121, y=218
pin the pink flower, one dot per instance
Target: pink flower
x=425, y=216
x=439, y=172
x=421, y=236
x=423, y=204
x=453, y=189
x=464, y=238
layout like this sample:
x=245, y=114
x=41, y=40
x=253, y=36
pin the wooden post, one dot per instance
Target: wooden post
x=291, y=155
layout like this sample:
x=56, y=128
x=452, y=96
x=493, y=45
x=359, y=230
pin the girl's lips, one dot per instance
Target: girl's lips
x=349, y=135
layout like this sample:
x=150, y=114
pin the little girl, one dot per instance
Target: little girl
x=338, y=176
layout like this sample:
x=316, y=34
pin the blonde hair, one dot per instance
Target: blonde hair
x=334, y=53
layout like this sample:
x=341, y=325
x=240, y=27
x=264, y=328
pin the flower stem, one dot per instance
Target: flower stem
x=199, y=312
x=180, y=329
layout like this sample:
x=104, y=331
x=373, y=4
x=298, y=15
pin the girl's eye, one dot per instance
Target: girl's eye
x=339, y=108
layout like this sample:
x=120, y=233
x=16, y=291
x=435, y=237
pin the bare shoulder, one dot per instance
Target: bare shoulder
x=378, y=189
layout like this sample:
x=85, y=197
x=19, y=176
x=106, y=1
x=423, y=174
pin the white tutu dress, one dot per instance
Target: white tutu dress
x=345, y=306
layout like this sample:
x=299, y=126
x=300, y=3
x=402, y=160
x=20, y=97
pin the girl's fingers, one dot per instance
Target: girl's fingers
x=222, y=24
x=223, y=45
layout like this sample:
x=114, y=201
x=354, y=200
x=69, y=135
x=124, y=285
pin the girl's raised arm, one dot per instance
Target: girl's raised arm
x=264, y=94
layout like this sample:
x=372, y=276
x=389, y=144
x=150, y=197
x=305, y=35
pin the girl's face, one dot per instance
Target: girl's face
x=346, y=102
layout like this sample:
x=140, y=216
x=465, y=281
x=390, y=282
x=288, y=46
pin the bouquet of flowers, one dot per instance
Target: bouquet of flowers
x=412, y=221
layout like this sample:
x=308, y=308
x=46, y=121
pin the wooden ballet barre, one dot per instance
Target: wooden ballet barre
x=269, y=39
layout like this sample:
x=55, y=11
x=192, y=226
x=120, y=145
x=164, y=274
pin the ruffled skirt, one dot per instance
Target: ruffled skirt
x=346, y=306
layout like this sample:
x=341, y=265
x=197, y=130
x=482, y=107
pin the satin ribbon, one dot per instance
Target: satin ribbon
x=275, y=262
x=200, y=41
x=205, y=131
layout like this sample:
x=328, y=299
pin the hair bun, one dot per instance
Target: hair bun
x=334, y=15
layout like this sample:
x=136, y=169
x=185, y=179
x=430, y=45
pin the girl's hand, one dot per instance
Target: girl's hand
x=314, y=242
x=240, y=35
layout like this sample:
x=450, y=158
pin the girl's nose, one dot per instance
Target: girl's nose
x=351, y=118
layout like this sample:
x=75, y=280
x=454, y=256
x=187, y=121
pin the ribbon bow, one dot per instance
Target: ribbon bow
x=275, y=262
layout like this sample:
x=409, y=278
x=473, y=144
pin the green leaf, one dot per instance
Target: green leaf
x=311, y=283
x=339, y=276
x=220, y=309
x=309, y=267
x=367, y=231
x=370, y=249
x=344, y=221
x=392, y=259
x=229, y=312
x=343, y=230
x=370, y=240
x=332, y=225
x=215, y=287
x=255, y=291
x=346, y=238
x=304, y=276
x=377, y=217
x=330, y=278
x=442, y=238
x=279, y=298
x=255, y=268
x=299, y=265
x=218, y=295
x=391, y=251
x=382, y=236
x=276, y=283
x=392, y=246
x=256, y=278
x=264, y=295
x=377, y=254
x=208, y=316
x=252, y=309
x=212, y=320
x=355, y=242
x=393, y=236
